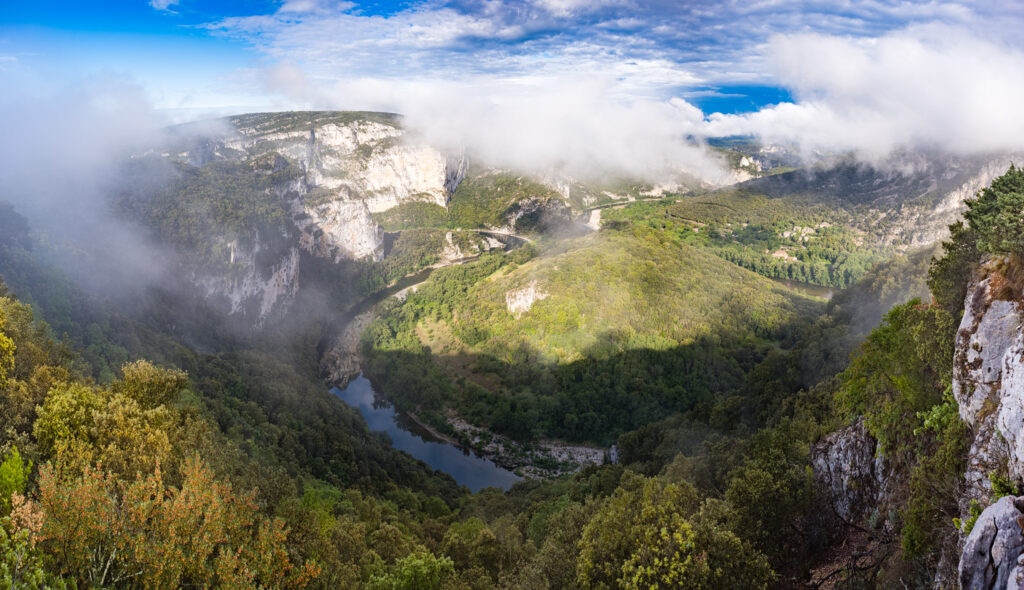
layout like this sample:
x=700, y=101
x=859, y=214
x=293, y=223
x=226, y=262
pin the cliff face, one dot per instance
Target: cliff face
x=988, y=384
x=993, y=554
x=852, y=478
x=351, y=165
x=357, y=160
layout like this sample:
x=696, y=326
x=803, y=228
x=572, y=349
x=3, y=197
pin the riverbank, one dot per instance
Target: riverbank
x=542, y=459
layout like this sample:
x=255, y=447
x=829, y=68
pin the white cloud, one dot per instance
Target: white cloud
x=315, y=6
x=163, y=4
x=877, y=74
x=582, y=125
x=928, y=87
x=565, y=8
x=59, y=157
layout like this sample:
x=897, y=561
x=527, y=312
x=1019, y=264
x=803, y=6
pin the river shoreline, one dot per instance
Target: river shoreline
x=340, y=363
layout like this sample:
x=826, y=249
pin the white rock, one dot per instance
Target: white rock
x=519, y=301
x=993, y=549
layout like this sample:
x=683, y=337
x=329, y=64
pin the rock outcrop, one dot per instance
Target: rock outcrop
x=348, y=166
x=993, y=554
x=988, y=384
x=251, y=289
x=853, y=480
x=519, y=301
x=338, y=229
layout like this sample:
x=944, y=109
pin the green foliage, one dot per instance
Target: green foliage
x=994, y=226
x=648, y=535
x=22, y=563
x=209, y=211
x=13, y=477
x=627, y=320
x=778, y=238
x=1002, y=486
x=771, y=491
x=997, y=214
x=6, y=355
x=965, y=527
x=413, y=214
x=485, y=199
x=950, y=274
x=935, y=479
x=416, y=571
x=108, y=426
x=150, y=386
x=900, y=373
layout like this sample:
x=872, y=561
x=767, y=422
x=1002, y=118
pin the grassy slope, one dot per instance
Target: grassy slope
x=612, y=291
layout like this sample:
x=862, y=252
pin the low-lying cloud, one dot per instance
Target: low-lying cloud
x=60, y=155
x=585, y=127
x=929, y=87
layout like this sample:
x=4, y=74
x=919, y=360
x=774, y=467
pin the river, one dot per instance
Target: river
x=474, y=472
x=340, y=350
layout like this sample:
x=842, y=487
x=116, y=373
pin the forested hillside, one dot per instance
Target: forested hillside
x=613, y=330
x=755, y=435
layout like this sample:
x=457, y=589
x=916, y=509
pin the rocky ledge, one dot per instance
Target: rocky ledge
x=993, y=555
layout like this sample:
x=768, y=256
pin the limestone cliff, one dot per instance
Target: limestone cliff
x=852, y=478
x=348, y=166
x=988, y=384
x=993, y=554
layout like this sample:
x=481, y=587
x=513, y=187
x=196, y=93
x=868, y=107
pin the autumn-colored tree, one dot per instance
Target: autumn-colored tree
x=106, y=531
x=22, y=563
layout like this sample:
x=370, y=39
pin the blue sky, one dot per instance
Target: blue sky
x=199, y=54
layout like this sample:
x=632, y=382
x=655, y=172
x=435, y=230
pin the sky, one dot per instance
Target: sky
x=592, y=75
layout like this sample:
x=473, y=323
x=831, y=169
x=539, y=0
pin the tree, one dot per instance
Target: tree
x=13, y=475
x=123, y=428
x=6, y=353
x=104, y=531
x=149, y=385
x=997, y=214
x=22, y=563
x=900, y=372
x=416, y=571
x=647, y=536
x=949, y=276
